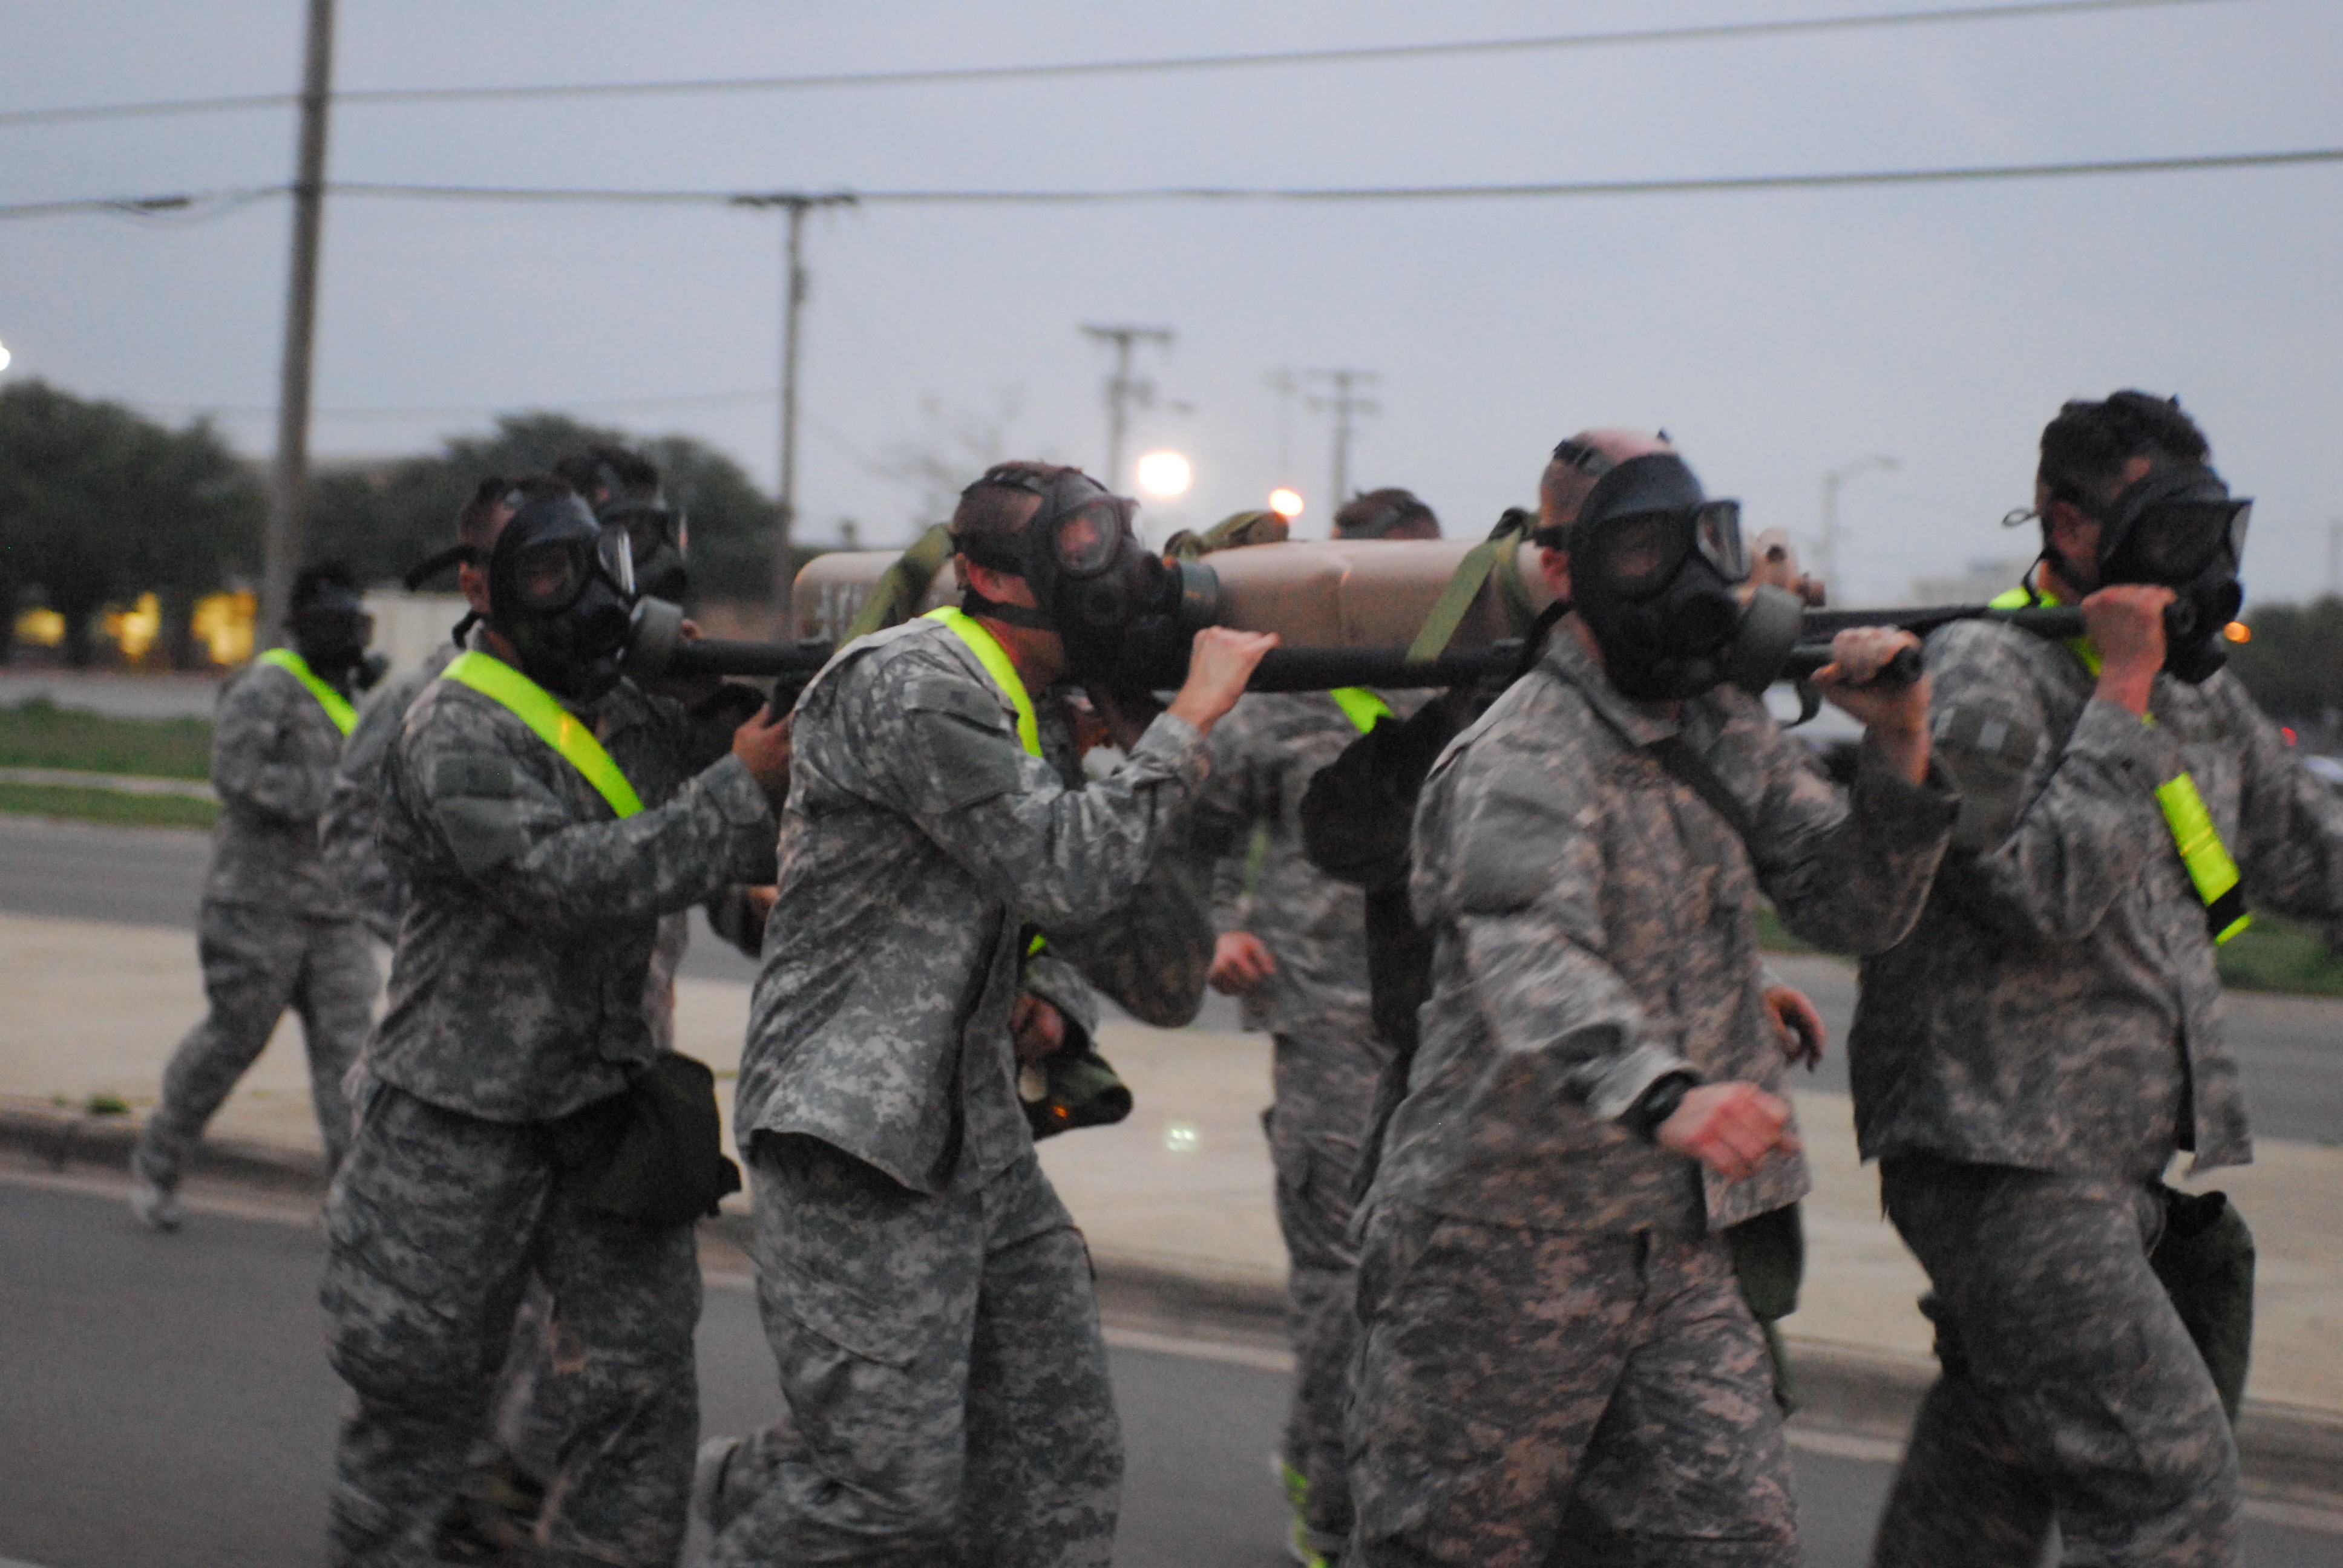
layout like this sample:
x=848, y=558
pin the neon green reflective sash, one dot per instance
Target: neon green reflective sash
x=337, y=706
x=995, y=659
x=1359, y=706
x=2207, y=858
x=2211, y=868
x=554, y=724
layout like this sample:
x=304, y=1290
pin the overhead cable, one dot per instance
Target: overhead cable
x=949, y=75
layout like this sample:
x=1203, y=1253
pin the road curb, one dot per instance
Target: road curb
x=2288, y=1453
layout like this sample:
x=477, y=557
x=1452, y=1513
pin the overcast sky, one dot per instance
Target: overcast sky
x=1775, y=335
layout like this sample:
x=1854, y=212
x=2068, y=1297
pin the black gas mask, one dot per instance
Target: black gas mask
x=561, y=589
x=1114, y=605
x=330, y=632
x=658, y=538
x=1655, y=566
x=2177, y=526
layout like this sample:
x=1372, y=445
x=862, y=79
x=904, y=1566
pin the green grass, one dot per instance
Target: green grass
x=112, y=806
x=2272, y=954
x=40, y=734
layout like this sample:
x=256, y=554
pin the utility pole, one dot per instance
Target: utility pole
x=1343, y=400
x=2335, y=559
x=796, y=204
x=1827, y=569
x=288, y=480
x=1123, y=390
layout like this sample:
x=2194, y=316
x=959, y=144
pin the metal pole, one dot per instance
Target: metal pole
x=1343, y=402
x=1123, y=388
x=288, y=485
x=793, y=294
x=1828, y=568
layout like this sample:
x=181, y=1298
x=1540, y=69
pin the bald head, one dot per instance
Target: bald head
x=1577, y=464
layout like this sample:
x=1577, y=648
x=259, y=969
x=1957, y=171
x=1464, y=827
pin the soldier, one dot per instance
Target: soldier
x=534, y=805
x=926, y=1296
x=2028, y=1062
x=276, y=930
x=1554, y=1351
x=1293, y=945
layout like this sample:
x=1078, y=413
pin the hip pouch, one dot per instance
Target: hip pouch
x=652, y=1154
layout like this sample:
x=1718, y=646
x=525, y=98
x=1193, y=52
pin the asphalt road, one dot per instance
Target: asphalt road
x=2289, y=1049
x=166, y=1401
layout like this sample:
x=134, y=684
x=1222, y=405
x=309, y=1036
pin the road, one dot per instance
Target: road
x=2290, y=1048
x=168, y=1403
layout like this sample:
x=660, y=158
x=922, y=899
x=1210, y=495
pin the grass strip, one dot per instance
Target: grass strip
x=116, y=807
x=40, y=734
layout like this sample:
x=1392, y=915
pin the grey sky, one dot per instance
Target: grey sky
x=1775, y=335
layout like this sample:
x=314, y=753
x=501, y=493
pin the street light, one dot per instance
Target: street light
x=1828, y=566
x=1165, y=474
x=5, y=356
x=1285, y=503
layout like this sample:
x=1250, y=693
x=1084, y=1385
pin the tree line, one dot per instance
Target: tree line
x=100, y=504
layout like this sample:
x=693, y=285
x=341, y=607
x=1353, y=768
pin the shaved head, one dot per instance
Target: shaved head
x=1579, y=462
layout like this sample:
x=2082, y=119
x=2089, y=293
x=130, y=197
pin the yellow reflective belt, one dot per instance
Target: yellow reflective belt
x=995, y=659
x=1359, y=706
x=554, y=724
x=2207, y=858
x=337, y=706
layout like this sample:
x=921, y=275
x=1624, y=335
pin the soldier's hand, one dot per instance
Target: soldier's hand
x=1037, y=1027
x=1239, y=962
x=2126, y=622
x=763, y=743
x=1220, y=662
x=1797, y=1025
x=1729, y=1128
x=1893, y=714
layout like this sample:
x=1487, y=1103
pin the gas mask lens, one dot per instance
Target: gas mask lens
x=1086, y=540
x=1641, y=553
x=1716, y=530
x=550, y=576
x=2173, y=541
x=617, y=557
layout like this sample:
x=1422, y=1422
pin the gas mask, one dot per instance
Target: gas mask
x=2177, y=526
x=658, y=538
x=1653, y=569
x=561, y=589
x=330, y=632
x=1114, y=606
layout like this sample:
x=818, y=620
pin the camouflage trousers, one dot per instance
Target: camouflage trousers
x=258, y=961
x=1325, y=1093
x=1530, y=1397
x=434, y=1227
x=2069, y=1390
x=943, y=1368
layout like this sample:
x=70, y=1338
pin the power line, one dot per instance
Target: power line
x=468, y=410
x=966, y=75
x=1523, y=190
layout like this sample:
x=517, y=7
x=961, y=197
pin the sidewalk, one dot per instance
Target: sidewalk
x=1176, y=1202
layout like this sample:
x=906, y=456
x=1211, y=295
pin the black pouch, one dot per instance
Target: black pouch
x=1769, y=1260
x=1077, y=1088
x=2205, y=1260
x=652, y=1154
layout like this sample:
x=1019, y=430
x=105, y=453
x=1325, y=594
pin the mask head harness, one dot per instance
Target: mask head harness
x=561, y=589
x=330, y=630
x=659, y=535
x=1114, y=604
x=2178, y=526
x=1653, y=566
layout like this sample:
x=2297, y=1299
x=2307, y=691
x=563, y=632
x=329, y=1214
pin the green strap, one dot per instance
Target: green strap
x=1455, y=601
x=895, y=597
x=2209, y=862
x=554, y=724
x=995, y=659
x=1359, y=706
x=337, y=706
x=2207, y=858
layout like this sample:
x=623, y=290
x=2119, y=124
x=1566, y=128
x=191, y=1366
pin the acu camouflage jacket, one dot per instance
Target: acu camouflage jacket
x=517, y=993
x=2055, y=1008
x=1595, y=927
x=273, y=754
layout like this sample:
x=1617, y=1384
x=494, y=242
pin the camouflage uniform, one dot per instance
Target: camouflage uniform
x=925, y=1294
x=1326, y=1055
x=2026, y=1064
x=274, y=930
x=353, y=809
x=1554, y=1349
x=517, y=1000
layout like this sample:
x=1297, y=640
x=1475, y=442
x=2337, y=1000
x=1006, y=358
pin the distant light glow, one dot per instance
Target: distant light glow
x=1180, y=1137
x=1285, y=503
x=2237, y=631
x=4, y=356
x=1165, y=474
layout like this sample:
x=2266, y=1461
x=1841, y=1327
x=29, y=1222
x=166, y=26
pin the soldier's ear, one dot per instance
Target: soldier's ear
x=1554, y=566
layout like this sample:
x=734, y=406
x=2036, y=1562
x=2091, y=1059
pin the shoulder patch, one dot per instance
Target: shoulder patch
x=473, y=796
x=970, y=754
x=960, y=699
x=1989, y=756
x=480, y=773
x=1514, y=841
